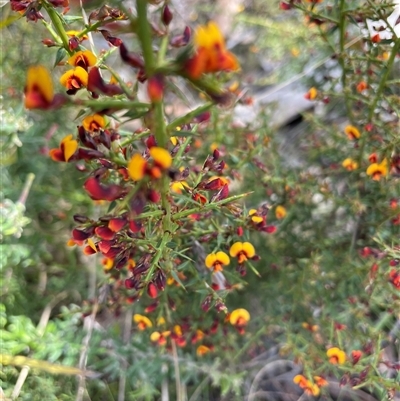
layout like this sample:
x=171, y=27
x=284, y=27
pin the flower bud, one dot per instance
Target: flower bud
x=166, y=15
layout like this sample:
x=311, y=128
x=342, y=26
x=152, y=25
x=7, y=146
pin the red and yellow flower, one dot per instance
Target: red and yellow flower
x=350, y=164
x=255, y=218
x=138, y=166
x=67, y=149
x=352, y=132
x=217, y=261
x=74, y=80
x=308, y=386
x=142, y=322
x=160, y=337
x=378, y=170
x=202, y=350
x=310, y=327
x=94, y=122
x=311, y=94
x=242, y=251
x=336, y=356
x=39, y=91
x=84, y=59
x=211, y=53
x=239, y=318
x=280, y=212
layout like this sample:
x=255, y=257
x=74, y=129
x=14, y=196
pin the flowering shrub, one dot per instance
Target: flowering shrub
x=193, y=207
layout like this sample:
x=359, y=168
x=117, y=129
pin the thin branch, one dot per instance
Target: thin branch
x=125, y=338
x=177, y=373
x=84, y=351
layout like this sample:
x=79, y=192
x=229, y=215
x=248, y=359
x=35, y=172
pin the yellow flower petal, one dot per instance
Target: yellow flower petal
x=161, y=156
x=352, y=132
x=248, y=249
x=223, y=258
x=280, y=212
x=144, y=320
x=137, y=167
x=69, y=146
x=235, y=249
x=210, y=260
x=39, y=76
x=83, y=58
x=94, y=122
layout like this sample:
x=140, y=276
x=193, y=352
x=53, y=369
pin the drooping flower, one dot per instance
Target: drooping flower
x=67, y=149
x=138, y=167
x=142, y=322
x=216, y=261
x=74, y=80
x=352, y=132
x=280, y=212
x=242, y=251
x=211, y=53
x=39, y=91
x=93, y=122
x=378, y=170
x=83, y=59
x=350, y=164
x=336, y=356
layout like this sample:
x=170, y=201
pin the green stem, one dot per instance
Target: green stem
x=208, y=206
x=189, y=116
x=162, y=50
x=26, y=188
x=144, y=34
x=52, y=32
x=134, y=138
x=160, y=128
x=89, y=28
x=112, y=104
x=157, y=256
x=57, y=22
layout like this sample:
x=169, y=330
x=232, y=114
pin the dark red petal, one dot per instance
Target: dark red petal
x=132, y=59
x=221, y=194
x=98, y=191
x=112, y=253
x=96, y=84
x=104, y=246
x=80, y=235
x=268, y=229
x=104, y=233
x=117, y=224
